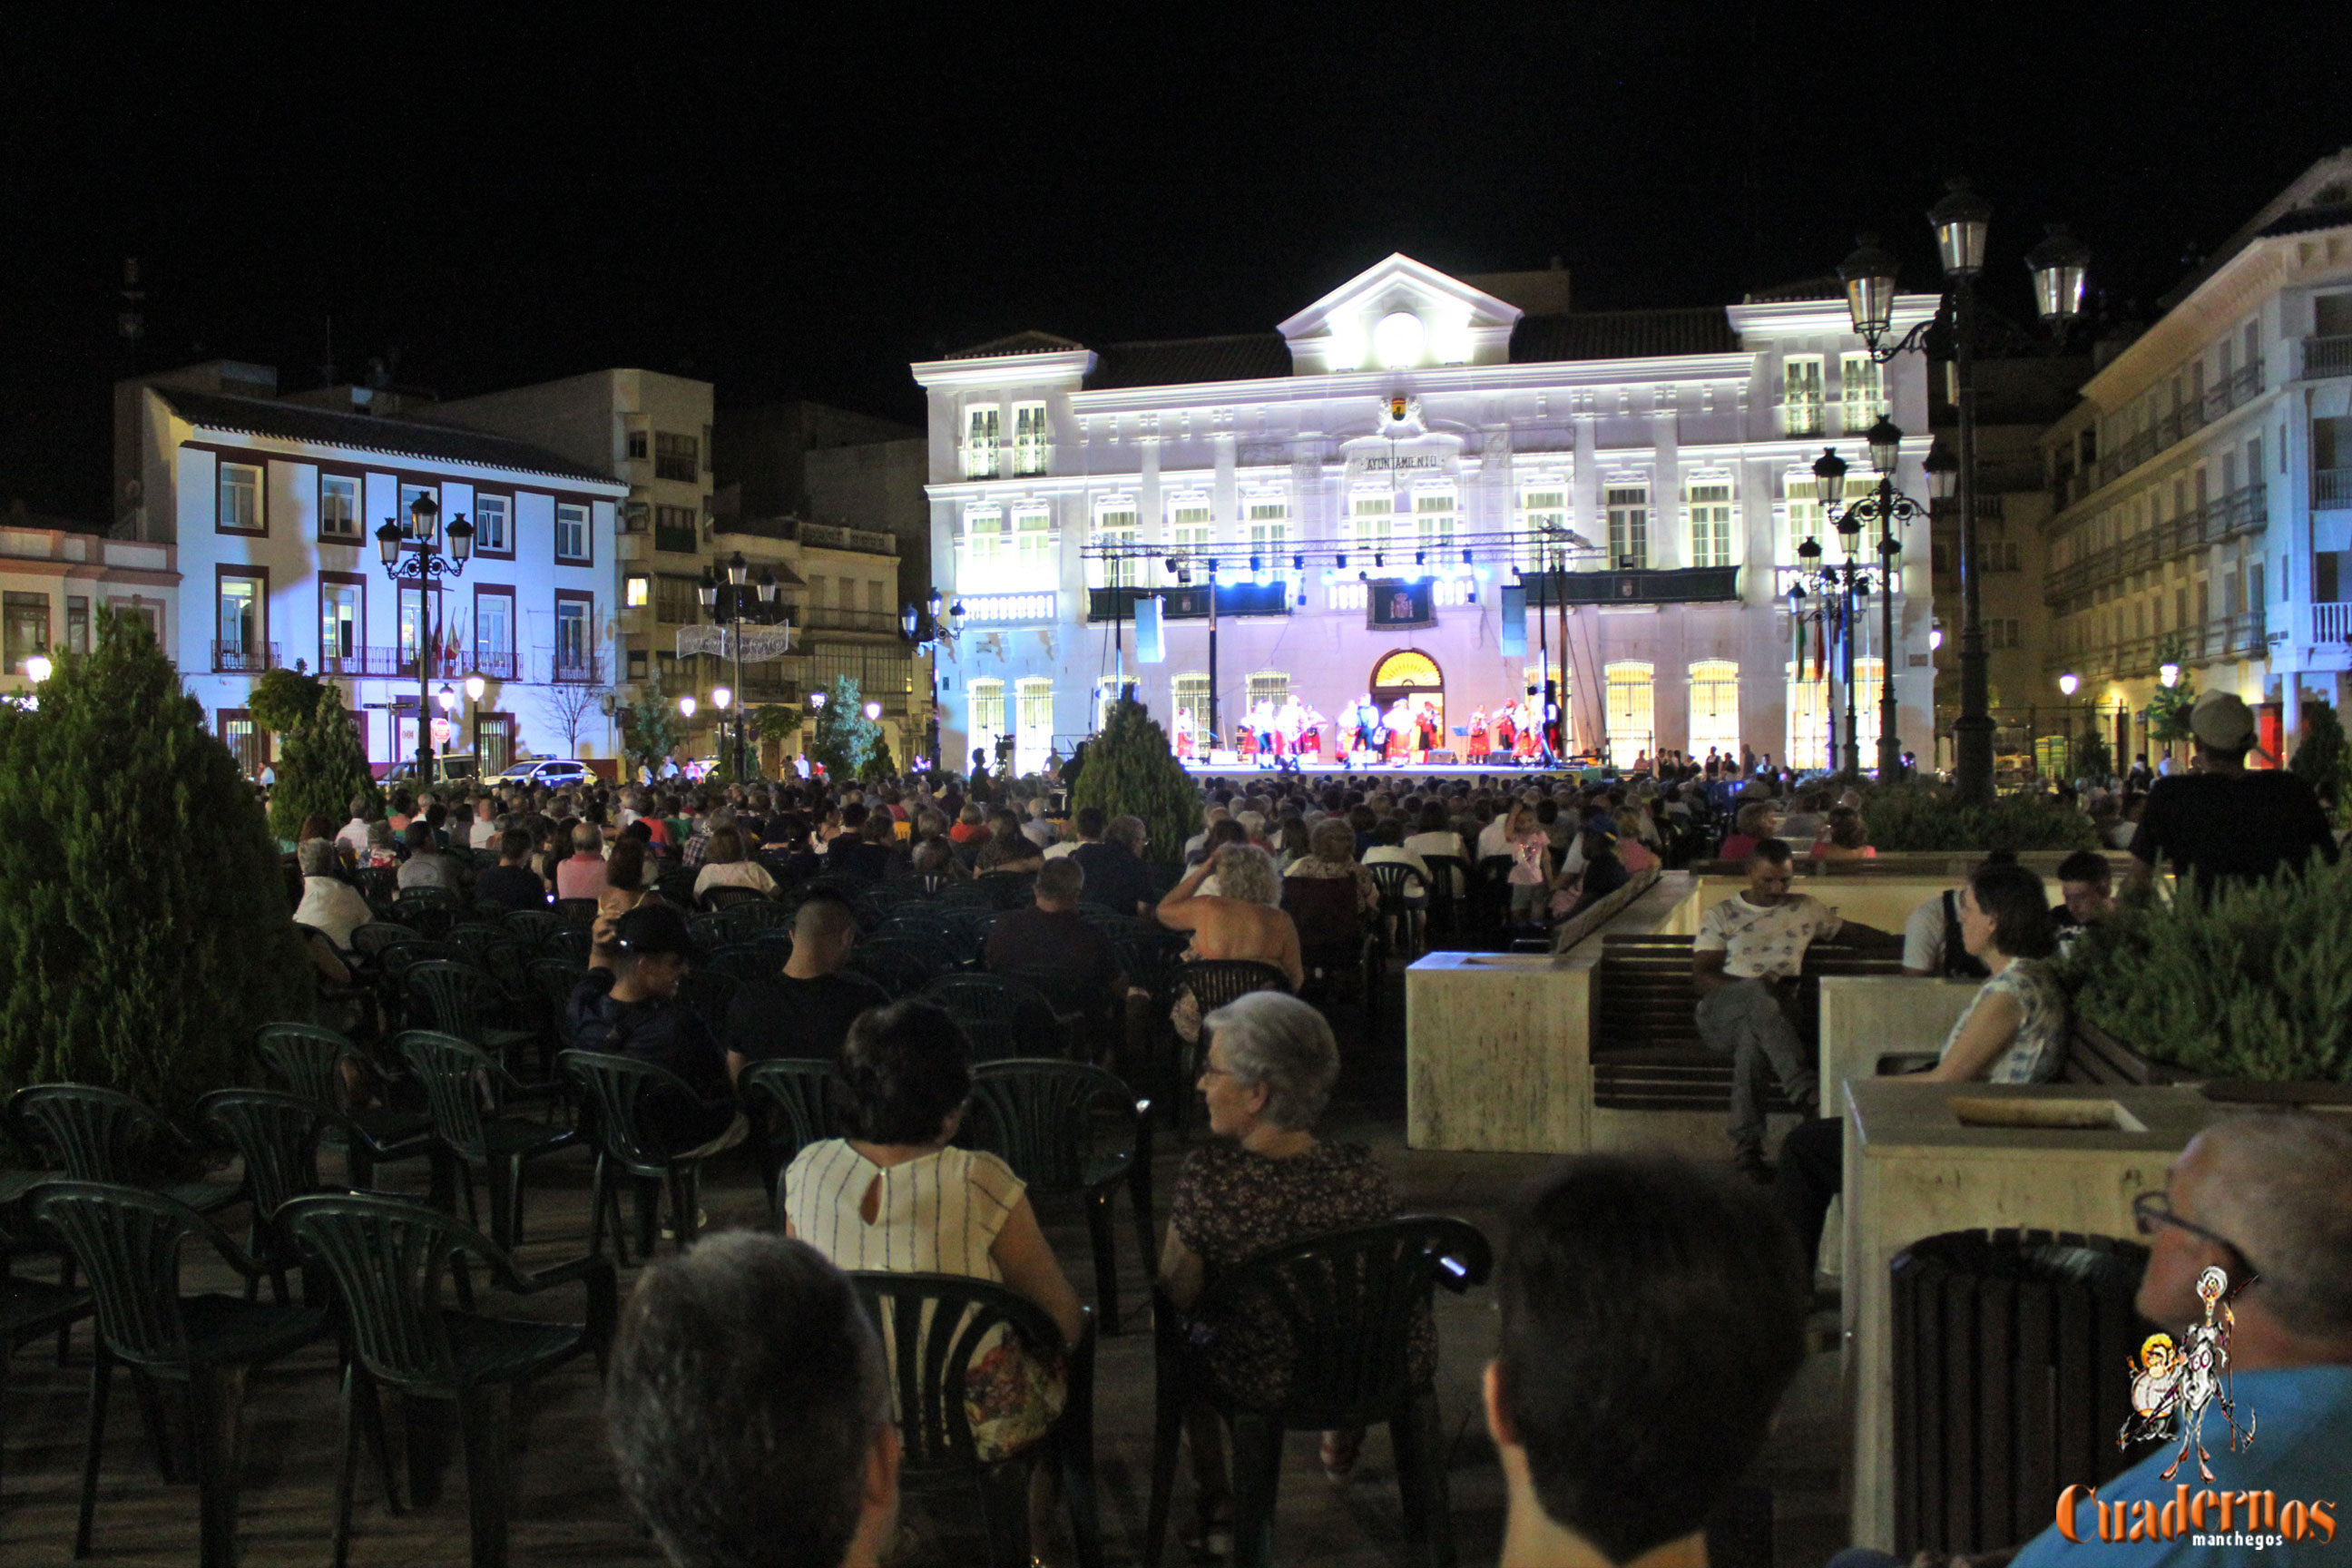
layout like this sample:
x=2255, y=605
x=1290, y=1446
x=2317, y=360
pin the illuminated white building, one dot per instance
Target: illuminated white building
x=1413, y=425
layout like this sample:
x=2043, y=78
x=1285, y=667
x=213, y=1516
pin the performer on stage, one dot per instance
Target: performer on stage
x=1477, y=745
x=1428, y=739
x=1366, y=720
x=1507, y=729
x=1183, y=734
x=1311, y=732
x=1400, y=724
x=1523, y=748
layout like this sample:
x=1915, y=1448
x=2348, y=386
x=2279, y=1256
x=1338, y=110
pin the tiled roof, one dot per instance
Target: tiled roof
x=1029, y=343
x=367, y=433
x=1826, y=287
x=1181, y=362
x=1622, y=334
x=2334, y=215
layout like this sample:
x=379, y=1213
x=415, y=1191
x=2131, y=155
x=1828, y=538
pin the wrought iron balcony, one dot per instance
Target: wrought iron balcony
x=244, y=658
x=2327, y=355
x=1647, y=586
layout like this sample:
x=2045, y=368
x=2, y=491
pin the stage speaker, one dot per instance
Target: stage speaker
x=1515, y=619
x=1150, y=642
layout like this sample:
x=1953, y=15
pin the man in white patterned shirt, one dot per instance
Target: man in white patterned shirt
x=1746, y=960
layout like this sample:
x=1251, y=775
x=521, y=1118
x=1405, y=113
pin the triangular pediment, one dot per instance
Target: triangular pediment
x=1401, y=314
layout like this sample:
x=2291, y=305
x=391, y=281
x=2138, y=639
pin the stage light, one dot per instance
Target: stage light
x=1465, y=556
x=1421, y=557
x=1363, y=577
x=1257, y=563
x=1298, y=563
x=1343, y=561
x=1481, y=573
x=1380, y=561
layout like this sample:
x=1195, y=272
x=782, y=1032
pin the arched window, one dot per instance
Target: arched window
x=1632, y=710
x=1713, y=708
x=984, y=721
x=1036, y=736
x=1188, y=708
x=1809, y=718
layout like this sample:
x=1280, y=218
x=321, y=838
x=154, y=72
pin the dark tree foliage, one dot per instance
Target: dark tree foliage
x=1131, y=771
x=146, y=933
x=323, y=769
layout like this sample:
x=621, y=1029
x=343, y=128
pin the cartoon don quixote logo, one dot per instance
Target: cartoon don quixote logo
x=2174, y=1387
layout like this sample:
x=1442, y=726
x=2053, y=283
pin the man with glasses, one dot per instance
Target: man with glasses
x=2267, y=1199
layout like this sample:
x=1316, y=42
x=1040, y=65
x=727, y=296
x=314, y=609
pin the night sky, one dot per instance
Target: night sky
x=800, y=210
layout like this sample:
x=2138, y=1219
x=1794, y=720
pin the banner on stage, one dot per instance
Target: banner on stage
x=1515, y=619
x=1151, y=647
x=1396, y=606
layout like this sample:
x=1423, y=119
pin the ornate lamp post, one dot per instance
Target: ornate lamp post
x=1960, y=221
x=425, y=564
x=1887, y=507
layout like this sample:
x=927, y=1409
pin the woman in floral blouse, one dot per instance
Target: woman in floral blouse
x=1266, y=1182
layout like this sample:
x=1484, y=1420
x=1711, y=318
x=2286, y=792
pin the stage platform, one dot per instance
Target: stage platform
x=1238, y=770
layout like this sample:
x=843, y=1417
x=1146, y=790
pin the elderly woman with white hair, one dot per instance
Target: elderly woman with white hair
x=1264, y=1182
x=329, y=906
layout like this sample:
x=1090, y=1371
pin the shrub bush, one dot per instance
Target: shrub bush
x=323, y=769
x=146, y=933
x=2254, y=981
x=1132, y=770
x=1928, y=816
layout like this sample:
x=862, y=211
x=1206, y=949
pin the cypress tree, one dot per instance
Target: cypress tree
x=146, y=933
x=322, y=769
x=1132, y=770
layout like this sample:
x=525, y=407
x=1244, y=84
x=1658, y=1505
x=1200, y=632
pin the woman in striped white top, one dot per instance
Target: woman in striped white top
x=895, y=1194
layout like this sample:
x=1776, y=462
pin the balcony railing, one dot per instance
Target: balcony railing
x=2230, y=393
x=2244, y=510
x=819, y=620
x=826, y=536
x=1658, y=585
x=2242, y=635
x=2331, y=622
x=570, y=668
x=2331, y=488
x=246, y=658
x=2328, y=356
x=395, y=663
x=1000, y=607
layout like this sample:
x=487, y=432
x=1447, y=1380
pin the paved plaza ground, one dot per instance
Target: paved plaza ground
x=568, y=1509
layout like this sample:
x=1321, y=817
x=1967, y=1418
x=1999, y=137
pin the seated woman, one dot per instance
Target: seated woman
x=1845, y=840
x=1008, y=851
x=1245, y=918
x=2013, y=1032
x=1263, y=1182
x=725, y=865
x=896, y=1194
x=1331, y=857
x=628, y=884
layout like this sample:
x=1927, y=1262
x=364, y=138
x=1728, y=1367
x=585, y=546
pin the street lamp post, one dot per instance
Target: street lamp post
x=424, y=565
x=1888, y=507
x=1960, y=221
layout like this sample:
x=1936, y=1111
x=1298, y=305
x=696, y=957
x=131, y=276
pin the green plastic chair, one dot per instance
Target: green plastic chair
x=933, y=1327
x=32, y=1309
x=1070, y=1126
x=1348, y=1301
x=533, y=925
x=388, y=1258
x=457, y=998
x=278, y=1136
x=455, y=1073
x=309, y=1058
x=1003, y=1008
x=126, y=1241
x=100, y=1135
x=791, y=1101
x=618, y=1090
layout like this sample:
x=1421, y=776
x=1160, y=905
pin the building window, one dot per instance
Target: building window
x=1861, y=391
x=571, y=533
x=873, y=596
x=1028, y=438
x=492, y=517
x=980, y=438
x=674, y=599
x=1036, y=695
x=27, y=626
x=1632, y=696
x=77, y=624
x=494, y=632
x=1371, y=517
x=1190, y=526
x=985, y=723
x=414, y=626
x=984, y=548
x=675, y=531
x=341, y=627
x=239, y=499
x=636, y=664
x=1997, y=555
x=1713, y=708
x=636, y=590
x=1268, y=689
x=1868, y=674
x=637, y=450
x=2001, y=631
x=241, y=622
x=1710, y=525
x=1809, y=719
x=1801, y=403
x=677, y=457
x=1114, y=528
x=1032, y=544
x=574, y=640
x=1629, y=527
x=1269, y=526
x=1189, y=697
x=248, y=741
x=1543, y=524
x=338, y=507
x=1432, y=513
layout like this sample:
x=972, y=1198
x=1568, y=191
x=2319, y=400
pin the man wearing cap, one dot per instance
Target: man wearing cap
x=632, y=1009
x=2224, y=821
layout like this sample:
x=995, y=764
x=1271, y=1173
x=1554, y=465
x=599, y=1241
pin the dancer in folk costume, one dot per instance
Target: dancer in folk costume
x=1507, y=729
x=1400, y=722
x=1269, y=724
x=1361, y=720
x=1183, y=734
x=1523, y=748
x=1477, y=739
x=1430, y=740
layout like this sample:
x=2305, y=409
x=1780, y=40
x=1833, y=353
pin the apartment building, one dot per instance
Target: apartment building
x=56, y=578
x=2203, y=487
